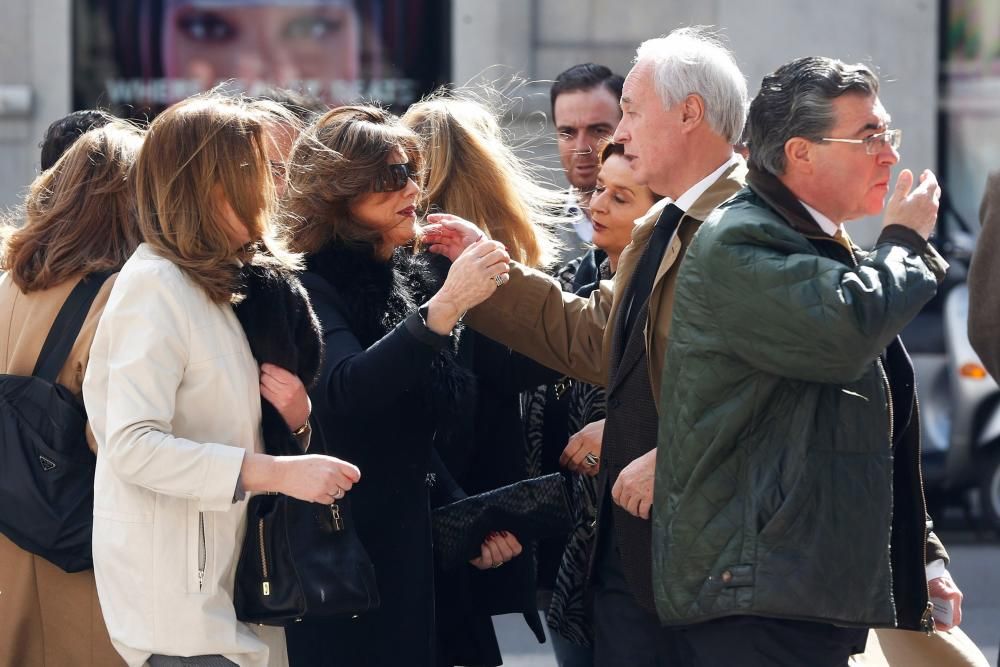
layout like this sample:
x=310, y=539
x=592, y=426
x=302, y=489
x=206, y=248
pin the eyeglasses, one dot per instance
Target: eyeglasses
x=876, y=143
x=394, y=178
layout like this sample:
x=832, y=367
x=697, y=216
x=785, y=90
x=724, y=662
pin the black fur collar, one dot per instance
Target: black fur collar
x=282, y=329
x=375, y=295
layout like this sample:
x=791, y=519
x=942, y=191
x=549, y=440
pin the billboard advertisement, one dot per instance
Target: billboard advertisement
x=136, y=57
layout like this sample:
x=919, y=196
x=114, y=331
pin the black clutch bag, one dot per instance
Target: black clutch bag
x=530, y=509
x=301, y=559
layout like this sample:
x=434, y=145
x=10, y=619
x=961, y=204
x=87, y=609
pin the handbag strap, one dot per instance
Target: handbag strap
x=67, y=325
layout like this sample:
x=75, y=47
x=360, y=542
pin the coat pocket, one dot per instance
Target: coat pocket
x=199, y=550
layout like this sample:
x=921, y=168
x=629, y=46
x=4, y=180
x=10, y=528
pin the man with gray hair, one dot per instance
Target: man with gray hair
x=684, y=104
x=789, y=514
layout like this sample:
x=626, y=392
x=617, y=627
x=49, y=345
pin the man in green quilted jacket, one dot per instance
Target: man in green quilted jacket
x=789, y=515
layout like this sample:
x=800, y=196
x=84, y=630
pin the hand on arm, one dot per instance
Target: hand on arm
x=581, y=444
x=633, y=490
x=449, y=235
x=471, y=280
x=285, y=391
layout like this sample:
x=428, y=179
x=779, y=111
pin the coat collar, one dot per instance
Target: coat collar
x=729, y=183
x=777, y=195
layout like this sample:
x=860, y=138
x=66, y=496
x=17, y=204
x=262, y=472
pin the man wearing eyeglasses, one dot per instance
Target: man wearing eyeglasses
x=789, y=513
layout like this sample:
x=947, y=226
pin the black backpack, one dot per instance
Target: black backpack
x=46, y=468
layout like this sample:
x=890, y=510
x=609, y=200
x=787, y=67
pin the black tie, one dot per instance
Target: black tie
x=645, y=271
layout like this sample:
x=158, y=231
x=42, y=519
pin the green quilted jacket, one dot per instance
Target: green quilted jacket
x=788, y=479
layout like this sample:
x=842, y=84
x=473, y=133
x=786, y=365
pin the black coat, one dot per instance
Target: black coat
x=491, y=455
x=391, y=397
x=388, y=388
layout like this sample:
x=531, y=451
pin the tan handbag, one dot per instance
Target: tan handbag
x=904, y=648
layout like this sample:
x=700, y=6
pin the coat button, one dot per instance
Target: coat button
x=727, y=576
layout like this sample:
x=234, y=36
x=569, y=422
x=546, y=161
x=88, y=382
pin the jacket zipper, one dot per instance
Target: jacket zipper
x=202, y=551
x=882, y=372
x=926, y=618
x=265, y=584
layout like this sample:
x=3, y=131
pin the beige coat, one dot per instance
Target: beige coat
x=531, y=314
x=50, y=618
x=173, y=399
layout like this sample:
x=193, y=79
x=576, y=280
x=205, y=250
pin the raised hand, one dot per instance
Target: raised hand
x=449, y=235
x=917, y=209
x=472, y=279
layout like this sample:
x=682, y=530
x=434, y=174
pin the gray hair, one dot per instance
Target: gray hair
x=694, y=61
x=796, y=100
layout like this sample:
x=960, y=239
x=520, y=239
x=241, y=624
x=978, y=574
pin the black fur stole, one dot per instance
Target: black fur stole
x=375, y=296
x=282, y=329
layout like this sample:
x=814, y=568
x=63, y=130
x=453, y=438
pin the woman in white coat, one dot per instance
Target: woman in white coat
x=174, y=398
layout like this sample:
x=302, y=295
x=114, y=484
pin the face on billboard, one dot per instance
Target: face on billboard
x=280, y=43
x=137, y=58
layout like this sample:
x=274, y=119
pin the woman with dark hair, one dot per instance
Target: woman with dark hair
x=79, y=220
x=392, y=387
x=617, y=202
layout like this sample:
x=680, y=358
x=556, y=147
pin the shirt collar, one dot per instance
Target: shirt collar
x=829, y=227
x=686, y=200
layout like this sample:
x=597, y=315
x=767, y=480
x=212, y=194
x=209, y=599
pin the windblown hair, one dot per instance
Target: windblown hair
x=693, y=61
x=62, y=133
x=472, y=172
x=335, y=161
x=796, y=100
x=79, y=215
x=198, y=149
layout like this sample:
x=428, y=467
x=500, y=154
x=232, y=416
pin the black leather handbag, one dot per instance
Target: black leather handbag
x=530, y=509
x=46, y=468
x=301, y=559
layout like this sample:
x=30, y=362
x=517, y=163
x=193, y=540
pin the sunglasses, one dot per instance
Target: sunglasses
x=394, y=178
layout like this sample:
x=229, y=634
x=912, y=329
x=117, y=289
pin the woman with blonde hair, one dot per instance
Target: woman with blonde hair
x=393, y=387
x=471, y=171
x=175, y=387
x=78, y=220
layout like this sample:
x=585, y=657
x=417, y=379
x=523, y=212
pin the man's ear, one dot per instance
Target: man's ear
x=692, y=112
x=799, y=155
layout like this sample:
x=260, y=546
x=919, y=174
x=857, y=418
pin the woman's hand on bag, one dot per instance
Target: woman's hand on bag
x=583, y=451
x=310, y=477
x=472, y=279
x=449, y=235
x=285, y=391
x=497, y=550
x=316, y=478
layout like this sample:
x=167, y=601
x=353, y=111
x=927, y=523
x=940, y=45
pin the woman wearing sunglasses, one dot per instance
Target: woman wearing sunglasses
x=392, y=386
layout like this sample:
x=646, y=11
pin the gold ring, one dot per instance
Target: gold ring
x=496, y=565
x=590, y=459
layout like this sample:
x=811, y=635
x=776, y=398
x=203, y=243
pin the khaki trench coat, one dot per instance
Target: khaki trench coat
x=532, y=315
x=50, y=618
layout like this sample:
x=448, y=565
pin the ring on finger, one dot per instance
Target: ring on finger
x=496, y=565
x=338, y=494
x=499, y=280
x=590, y=459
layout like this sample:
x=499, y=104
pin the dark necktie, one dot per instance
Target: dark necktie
x=645, y=270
